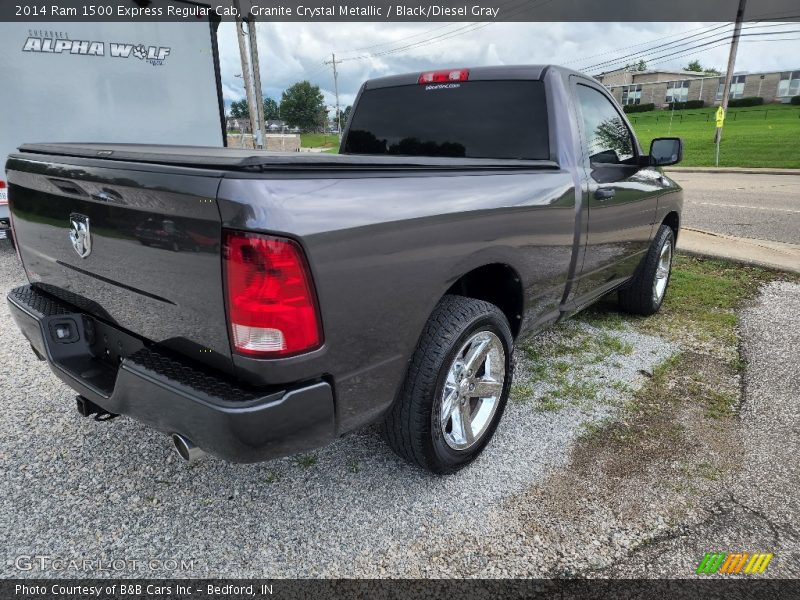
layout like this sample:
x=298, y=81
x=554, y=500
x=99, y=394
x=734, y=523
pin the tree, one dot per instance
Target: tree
x=302, y=106
x=346, y=114
x=611, y=135
x=694, y=66
x=640, y=66
x=239, y=109
x=271, y=110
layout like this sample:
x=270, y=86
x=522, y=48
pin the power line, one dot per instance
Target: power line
x=660, y=48
x=718, y=41
x=521, y=5
x=427, y=31
x=648, y=43
x=725, y=43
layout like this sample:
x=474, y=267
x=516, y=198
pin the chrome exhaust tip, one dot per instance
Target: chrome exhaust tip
x=186, y=449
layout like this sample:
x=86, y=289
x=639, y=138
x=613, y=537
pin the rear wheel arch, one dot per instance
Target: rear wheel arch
x=498, y=284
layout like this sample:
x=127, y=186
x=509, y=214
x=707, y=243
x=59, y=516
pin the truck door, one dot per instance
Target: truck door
x=622, y=194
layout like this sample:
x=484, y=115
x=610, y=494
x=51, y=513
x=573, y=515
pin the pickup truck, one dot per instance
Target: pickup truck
x=252, y=305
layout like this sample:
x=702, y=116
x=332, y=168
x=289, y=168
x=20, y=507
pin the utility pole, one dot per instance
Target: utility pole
x=251, y=108
x=737, y=29
x=336, y=91
x=259, y=98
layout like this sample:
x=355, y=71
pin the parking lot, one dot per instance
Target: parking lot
x=559, y=491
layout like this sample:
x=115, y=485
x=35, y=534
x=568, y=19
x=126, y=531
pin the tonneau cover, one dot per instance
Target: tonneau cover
x=244, y=159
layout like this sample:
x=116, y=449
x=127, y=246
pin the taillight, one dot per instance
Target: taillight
x=272, y=308
x=444, y=76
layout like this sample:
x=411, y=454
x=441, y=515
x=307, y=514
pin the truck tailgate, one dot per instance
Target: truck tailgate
x=136, y=246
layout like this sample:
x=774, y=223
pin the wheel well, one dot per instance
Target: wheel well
x=673, y=220
x=495, y=283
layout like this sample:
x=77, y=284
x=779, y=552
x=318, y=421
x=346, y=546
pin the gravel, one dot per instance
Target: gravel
x=757, y=508
x=76, y=489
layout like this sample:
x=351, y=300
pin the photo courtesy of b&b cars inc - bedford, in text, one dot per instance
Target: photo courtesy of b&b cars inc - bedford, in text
x=369, y=299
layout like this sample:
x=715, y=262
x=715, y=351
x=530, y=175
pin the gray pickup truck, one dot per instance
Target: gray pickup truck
x=252, y=305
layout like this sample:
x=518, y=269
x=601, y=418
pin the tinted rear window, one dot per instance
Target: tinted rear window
x=473, y=119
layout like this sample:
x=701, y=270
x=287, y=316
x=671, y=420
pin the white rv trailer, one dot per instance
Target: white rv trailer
x=121, y=82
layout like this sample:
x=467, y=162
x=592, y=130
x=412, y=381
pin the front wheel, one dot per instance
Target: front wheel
x=456, y=388
x=645, y=293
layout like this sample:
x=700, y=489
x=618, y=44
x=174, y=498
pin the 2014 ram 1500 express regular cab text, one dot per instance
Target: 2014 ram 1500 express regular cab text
x=254, y=305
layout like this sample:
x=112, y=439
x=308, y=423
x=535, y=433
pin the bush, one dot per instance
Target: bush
x=634, y=108
x=795, y=100
x=687, y=104
x=749, y=101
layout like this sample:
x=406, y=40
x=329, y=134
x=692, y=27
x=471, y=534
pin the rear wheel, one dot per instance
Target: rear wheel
x=456, y=388
x=645, y=294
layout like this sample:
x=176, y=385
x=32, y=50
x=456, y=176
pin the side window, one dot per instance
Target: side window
x=607, y=136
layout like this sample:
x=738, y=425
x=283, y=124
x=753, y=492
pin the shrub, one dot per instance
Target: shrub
x=634, y=108
x=687, y=104
x=795, y=100
x=749, y=101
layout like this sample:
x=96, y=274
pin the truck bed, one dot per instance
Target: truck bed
x=241, y=159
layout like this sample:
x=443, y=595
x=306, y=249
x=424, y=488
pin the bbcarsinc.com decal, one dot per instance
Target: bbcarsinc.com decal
x=155, y=55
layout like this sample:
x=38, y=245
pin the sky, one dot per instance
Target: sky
x=291, y=52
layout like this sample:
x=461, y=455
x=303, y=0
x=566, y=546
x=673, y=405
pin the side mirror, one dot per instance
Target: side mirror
x=666, y=151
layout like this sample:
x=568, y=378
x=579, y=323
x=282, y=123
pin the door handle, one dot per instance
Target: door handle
x=604, y=193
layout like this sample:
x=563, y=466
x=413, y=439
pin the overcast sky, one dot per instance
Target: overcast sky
x=291, y=52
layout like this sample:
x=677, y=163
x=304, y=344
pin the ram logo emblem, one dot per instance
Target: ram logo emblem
x=79, y=234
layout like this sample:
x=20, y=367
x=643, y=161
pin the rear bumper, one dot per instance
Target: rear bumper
x=219, y=416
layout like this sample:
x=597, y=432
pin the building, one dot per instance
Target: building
x=242, y=125
x=663, y=87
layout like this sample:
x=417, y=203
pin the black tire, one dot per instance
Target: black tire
x=640, y=297
x=412, y=426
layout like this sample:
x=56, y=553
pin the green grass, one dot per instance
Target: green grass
x=521, y=393
x=306, y=461
x=272, y=477
x=748, y=138
x=319, y=140
x=703, y=295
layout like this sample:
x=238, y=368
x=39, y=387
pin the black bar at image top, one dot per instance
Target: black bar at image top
x=64, y=11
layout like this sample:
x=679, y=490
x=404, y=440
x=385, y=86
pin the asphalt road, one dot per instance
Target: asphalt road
x=765, y=207
x=758, y=506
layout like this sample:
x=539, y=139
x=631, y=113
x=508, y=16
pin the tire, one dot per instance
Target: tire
x=424, y=424
x=648, y=287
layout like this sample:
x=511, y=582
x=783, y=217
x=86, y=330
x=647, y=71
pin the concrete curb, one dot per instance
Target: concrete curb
x=740, y=170
x=777, y=256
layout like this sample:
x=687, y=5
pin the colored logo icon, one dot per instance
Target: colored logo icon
x=734, y=563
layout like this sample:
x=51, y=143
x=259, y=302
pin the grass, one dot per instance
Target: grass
x=319, y=140
x=272, y=477
x=702, y=297
x=306, y=461
x=748, y=140
x=520, y=392
x=701, y=304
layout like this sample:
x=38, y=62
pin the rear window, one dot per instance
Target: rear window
x=471, y=119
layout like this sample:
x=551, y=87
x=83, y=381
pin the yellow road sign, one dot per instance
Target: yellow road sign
x=720, y=116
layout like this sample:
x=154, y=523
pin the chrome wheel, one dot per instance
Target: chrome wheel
x=662, y=272
x=472, y=390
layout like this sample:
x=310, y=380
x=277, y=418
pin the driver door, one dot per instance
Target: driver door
x=621, y=196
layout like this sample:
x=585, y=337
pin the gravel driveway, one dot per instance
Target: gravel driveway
x=77, y=489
